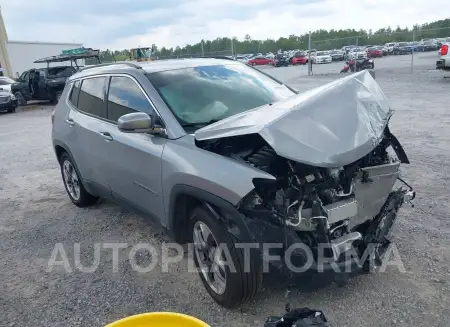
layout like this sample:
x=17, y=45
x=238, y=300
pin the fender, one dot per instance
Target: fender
x=226, y=212
x=399, y=151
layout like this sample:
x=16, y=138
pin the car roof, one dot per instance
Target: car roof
x=151, y=67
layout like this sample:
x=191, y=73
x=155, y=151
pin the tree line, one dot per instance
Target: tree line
x=320, y=40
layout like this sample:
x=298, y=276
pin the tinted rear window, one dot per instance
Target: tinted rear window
x=91, y=98
x=73, y=98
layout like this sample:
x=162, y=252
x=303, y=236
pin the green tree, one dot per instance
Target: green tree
x=321, y=40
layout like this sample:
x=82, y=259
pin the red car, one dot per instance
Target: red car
x=374, y=52
x=299, y=59
x=260, y=61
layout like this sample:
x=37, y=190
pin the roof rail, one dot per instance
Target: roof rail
x=111, y=64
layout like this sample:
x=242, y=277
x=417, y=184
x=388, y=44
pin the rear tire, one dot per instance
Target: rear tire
x=73, y=183
x=238, y=286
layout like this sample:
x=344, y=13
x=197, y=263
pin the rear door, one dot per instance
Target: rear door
x=134, y=166
x=88, y=121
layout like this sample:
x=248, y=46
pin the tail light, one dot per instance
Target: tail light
x=444, y=50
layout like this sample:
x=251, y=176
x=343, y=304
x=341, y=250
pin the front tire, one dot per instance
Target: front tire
x=58, y=96
x=73, y=183
x=229, y=285
x=20, y=99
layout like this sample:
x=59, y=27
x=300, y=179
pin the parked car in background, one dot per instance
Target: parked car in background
x=260, y=60
x=41, y=84
x=322, y=57
x=374, y=52
x=5, y=83
x=242, y=58
x=444, y=62
x=430, y=45
x=347, y=48
x=390, y=47
x=281, y=60
x=402, y=48
x=357, y=53
x=337, y=55
x=440, y=41
x=8, y=101
x=417, y=46
x=299, y=58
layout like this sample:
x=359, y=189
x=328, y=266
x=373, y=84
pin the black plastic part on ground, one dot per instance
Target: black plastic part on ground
x=302, y=317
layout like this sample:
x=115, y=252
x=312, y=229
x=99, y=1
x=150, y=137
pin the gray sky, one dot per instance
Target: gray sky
x=120, y=24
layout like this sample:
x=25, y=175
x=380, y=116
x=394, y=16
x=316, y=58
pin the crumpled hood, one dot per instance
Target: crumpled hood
x=329, y=126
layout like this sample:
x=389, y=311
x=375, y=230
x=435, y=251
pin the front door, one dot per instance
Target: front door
x=23, y=86
x=134, y=165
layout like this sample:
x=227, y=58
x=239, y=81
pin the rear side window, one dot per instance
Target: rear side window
x=91, y=98
x=124, y=97
x=73, y=98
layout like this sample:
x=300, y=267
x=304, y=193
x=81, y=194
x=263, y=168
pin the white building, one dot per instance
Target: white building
x=22, y=54
x=18, y=56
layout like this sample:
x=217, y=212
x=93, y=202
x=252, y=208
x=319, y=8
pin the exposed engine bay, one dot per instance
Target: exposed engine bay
x=322, y=205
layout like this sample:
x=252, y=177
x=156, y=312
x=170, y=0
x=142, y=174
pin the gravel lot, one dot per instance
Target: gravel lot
x=35, y=214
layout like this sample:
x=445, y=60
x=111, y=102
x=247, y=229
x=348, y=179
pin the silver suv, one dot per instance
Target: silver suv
x=222, y=154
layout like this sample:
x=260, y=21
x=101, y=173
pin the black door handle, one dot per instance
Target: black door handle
x=106, y=136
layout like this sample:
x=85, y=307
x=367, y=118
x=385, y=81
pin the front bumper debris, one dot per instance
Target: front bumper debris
x=361, y=249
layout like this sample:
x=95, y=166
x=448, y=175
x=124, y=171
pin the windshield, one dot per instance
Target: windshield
x=427, y=42
x=403, y=44
x=201, y=95
x=371, y=49
x=322, y=53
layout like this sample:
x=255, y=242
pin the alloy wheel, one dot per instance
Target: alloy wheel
x=20, y=99
x=71, y=180
x=209, y=257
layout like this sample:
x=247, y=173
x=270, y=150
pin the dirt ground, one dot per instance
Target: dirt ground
x=35, y=214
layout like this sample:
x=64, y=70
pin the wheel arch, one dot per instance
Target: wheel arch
x=60, y=148
x=184, y=198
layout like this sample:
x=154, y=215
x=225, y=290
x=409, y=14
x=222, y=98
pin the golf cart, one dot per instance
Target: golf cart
x=48, y=83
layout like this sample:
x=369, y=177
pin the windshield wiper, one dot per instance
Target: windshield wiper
x=200, y=124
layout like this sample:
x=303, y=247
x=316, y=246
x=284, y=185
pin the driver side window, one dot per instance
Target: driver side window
x=124, y=97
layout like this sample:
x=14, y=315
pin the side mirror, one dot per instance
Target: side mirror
x=136, y=122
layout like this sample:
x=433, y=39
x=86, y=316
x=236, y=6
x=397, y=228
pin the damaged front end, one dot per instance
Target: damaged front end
x=336, y=167
x=330, y=210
